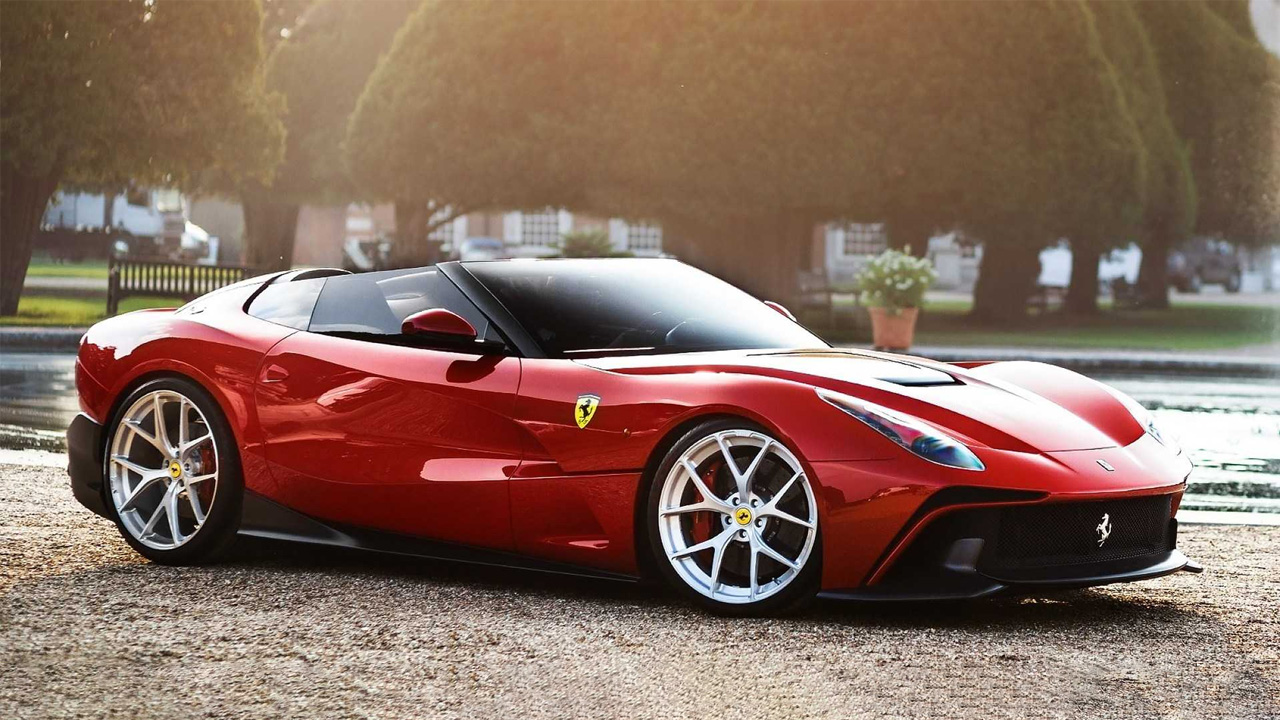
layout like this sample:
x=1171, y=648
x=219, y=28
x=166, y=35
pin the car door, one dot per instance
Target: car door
x=363, y=430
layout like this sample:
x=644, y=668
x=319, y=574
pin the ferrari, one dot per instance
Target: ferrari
x=619, y=418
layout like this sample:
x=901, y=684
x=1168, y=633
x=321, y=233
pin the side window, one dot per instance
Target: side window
x=289, y=303
x=377, y=303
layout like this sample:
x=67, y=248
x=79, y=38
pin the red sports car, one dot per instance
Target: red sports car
x=619, y=418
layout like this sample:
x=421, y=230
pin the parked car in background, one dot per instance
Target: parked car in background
x=1205, y=261
x=140, y=223
x=481, y=248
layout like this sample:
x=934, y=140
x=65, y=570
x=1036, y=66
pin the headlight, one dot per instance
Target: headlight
x=1146, y=420
x=912, y=434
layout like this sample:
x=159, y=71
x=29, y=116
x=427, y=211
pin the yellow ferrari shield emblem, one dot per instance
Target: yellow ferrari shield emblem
x=175, y=470
x=743, y=516
x=585, y=409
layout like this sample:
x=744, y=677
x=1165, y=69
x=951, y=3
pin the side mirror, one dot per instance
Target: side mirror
x=781, y=310
x=440, y=323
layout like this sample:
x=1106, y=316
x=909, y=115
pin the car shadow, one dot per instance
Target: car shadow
x=286, y=556
x=1063, y=610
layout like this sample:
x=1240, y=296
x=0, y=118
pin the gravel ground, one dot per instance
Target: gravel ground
x=89, y=629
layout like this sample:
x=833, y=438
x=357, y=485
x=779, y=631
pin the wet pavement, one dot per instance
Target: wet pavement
x=37, y=399
x=1229, y=426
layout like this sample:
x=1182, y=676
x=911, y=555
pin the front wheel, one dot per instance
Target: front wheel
x=733, y=521
x=172, y=470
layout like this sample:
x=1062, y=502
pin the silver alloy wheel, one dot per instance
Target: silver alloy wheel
x=163, y=466
x=737, y=534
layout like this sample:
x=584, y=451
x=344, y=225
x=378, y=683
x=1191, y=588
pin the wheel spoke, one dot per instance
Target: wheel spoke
x=739, y=479
x=145, y=472
x=717, y=559
x=764, y=547
x=707, y=495
x=162, y=432
x=695, y=507
x=194, y=442
x=773, y=512
x=754, y=572
x=755, y=465
x=171, y=509
x=777, y=498
x=184, y=430
x=197, y=509
x=137, y=490
x=705, y=544
x=155, y=516
x=136, y=428
x=770, y=509
x=201, y=478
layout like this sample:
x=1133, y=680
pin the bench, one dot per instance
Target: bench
x=139, y=278
x=1047, y=297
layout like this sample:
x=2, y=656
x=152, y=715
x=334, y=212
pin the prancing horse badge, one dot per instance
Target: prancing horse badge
x=585, y=409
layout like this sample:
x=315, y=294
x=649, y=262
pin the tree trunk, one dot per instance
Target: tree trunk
x=412, y=248
x=270, y=228
x=1153, y=273
x=1006, y=278
x=415, y=223
x=910, y=235
x=22, y=203
x=763, y=256
x=1082, y=293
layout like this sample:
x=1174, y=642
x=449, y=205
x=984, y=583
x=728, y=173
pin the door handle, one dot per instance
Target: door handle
x=274, y=373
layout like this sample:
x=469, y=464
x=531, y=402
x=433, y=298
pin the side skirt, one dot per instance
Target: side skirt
x=265, y=518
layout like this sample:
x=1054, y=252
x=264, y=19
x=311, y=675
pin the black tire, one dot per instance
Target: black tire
x=792, y=598
x=215, y=536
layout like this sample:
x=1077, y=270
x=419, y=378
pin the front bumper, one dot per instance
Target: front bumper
x=962, y=582
x=85, y=462
x=972, y=552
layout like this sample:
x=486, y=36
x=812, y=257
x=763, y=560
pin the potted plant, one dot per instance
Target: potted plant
x=892, y=286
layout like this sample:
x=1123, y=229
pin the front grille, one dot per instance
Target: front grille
x=1058, y=535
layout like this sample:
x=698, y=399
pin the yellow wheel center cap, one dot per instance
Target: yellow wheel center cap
x=175, y=470
x=742, y=515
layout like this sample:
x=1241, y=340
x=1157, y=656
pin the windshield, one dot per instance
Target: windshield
x=584, y=308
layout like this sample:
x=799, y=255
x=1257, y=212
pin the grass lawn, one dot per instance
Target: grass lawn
x=56, y=310
x=1184, y=327
x=90, y=269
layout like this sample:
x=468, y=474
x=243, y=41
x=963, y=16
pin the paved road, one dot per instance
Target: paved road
x=88, y=629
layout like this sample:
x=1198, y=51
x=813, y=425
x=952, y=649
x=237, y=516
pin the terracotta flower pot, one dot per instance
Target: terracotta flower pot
x=893, y=331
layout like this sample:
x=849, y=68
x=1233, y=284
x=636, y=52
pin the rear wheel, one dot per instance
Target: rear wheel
x=733, y=522
x=172, y=473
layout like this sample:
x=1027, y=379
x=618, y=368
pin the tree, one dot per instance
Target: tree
x=111, y=92
x=1067, y=152
x=449, y=121
x=320, y=68
x=1223, y=94
x=589, y=244
x=1168, y=213
x=741, y=125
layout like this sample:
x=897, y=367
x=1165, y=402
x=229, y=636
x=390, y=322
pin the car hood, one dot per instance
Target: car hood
x=978, y=407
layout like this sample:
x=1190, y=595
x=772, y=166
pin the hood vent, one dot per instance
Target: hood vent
x=850, y=365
